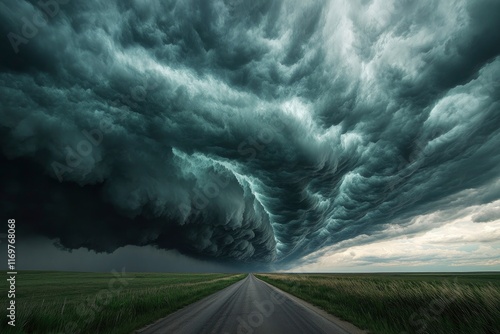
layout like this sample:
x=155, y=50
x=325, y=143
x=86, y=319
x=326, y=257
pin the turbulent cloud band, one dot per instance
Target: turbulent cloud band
x=244, y=131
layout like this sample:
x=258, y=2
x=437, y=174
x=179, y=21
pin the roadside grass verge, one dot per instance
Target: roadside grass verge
x=69, y=302
x=402, y=303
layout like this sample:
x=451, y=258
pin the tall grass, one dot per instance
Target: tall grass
x=55, y=302
x=402, y=303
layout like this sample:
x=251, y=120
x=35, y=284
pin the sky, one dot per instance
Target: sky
x=343, y=136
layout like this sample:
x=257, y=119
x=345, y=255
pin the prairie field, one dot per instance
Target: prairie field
x=119, y=302
x=402, y=303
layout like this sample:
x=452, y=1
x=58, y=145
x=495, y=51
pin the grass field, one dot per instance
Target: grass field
x=66, y=302
x=402, y=303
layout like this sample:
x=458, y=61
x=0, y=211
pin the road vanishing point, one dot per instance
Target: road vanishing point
x=250, y=306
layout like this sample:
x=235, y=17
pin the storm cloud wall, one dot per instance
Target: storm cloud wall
x=243, y=131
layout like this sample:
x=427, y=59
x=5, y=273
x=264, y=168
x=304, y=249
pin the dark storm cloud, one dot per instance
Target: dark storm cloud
x=244, y=131
x=42, y=254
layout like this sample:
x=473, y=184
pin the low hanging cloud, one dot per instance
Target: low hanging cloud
x=251, y=132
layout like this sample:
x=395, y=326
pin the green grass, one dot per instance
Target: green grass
x=68, y=302
x=402, y=303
